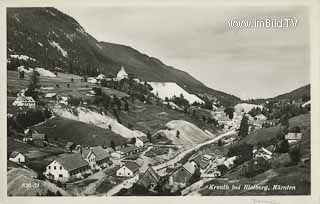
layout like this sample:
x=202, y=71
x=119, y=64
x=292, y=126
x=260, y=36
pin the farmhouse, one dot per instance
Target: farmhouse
x=229, y=163
x=66, y=167
x=149, y=178
x=97, y=157
x=17, y=157
x=24, y=101
x=129, y=169
x=39, y=139
x=122, y=74
x=292, y=137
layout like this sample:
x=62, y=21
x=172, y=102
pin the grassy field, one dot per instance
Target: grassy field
x=151, y=118
x=61, y=130
x=77, y=87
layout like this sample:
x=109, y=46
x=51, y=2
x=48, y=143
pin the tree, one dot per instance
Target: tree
x=72, y=80
x=178, y=134
x=229, y=112
x=149, y=136
x=220, y=143
x=126, y=106
x=113, y=145
x=21, y=75
x=244, y=127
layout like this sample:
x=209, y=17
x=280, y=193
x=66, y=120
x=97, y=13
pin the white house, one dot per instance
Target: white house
x=92, y=80
x=292, y=137
x=129, y=169
x=230, y=162
x=122, y=74
x=100, y=77
x=141, y=141
x=67, y=166
x=24, y=101
x=261, y=117
x=17, y=157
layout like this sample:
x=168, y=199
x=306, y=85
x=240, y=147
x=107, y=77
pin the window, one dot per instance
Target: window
x=60, y=175
x=55, y=167
x=49, y=167
x=60, y=167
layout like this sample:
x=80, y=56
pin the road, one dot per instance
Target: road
x=184, y=153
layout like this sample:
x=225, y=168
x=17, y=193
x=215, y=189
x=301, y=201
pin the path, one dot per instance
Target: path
x=184, y=153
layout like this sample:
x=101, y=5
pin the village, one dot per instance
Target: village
x=126, y=165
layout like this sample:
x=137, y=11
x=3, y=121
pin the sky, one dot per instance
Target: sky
x=247, y=62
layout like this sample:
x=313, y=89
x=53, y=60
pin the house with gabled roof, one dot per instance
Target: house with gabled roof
x=66, y=166
x=17, y=157
x=129, y=169
x=293, y=137
x=149, y=179
x=24, y=101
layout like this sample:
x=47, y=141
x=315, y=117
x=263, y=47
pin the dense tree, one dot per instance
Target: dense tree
x=229, y=111
x=21, y=75
x=113, y=145
x=244, y=127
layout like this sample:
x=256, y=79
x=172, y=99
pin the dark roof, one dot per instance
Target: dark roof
x=71, y=161
x=128, y=149
x=14, y=154
x=200, y=162
x=151, y=172
x=37, y=136
x=133, y=166
x=100, y=153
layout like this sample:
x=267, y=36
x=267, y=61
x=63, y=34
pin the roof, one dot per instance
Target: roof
x=100, y=153
x=202, y=163
x=71, y=161
x=49, y=95
x=14, y=154
x=122, y=72
x=128, y=149
x=69, y=144
x=152, y=172
x=38, y=136
x=293, y=136
x=189, y=167
x=25, y=99
x=133, y=166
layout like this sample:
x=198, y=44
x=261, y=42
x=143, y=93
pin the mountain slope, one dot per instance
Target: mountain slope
x=296, y=94
x=54, y=39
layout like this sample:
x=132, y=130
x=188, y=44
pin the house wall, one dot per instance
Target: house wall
x=138, y=143
x=147, y=180
x=18, y=159
x=58, y=172
x=124, y=172
x=91, y=159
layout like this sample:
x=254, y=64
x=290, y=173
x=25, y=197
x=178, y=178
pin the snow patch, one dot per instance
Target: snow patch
x=170, y=89
x=22, y=57
x=59, y=48
x=44, y=72
x=101, y=120
x=25, y=70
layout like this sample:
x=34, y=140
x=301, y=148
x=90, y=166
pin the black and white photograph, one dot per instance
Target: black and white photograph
x=167, y=100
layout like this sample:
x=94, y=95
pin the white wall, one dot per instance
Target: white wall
x=124, y=172
x=18, y=159
x=58, y=171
